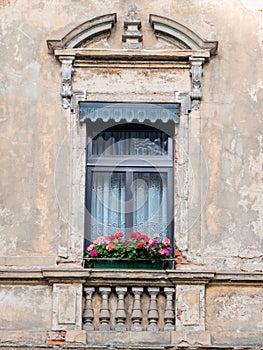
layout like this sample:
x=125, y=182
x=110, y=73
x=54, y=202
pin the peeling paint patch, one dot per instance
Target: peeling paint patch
x=253, y=91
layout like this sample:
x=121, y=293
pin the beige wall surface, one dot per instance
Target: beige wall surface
x=25, y=307
x=34, y=127
x=234, y=308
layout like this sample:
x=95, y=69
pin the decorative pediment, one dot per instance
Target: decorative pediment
x=186, y=49
x=94, y=29
x=179, y=35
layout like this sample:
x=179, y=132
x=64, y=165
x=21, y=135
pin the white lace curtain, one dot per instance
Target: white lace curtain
x=110, y=205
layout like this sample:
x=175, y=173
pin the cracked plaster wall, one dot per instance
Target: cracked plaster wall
x=34, y=126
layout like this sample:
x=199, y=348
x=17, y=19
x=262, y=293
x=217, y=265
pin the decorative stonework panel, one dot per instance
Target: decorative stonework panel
x=190, y=302
x=67, y=306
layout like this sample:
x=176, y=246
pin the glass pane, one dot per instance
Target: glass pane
x=107, y=204
x=150, y=214
x=117, y=141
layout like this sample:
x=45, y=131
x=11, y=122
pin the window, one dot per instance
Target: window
x=129, y=185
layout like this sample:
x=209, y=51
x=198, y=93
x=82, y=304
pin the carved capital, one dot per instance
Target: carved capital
x=184, y=99
x=196, y=73
x=66, y=74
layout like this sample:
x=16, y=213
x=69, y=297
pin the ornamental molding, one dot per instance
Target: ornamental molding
x=76, y=50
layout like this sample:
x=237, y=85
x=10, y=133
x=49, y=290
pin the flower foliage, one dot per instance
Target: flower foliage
x=137, y=246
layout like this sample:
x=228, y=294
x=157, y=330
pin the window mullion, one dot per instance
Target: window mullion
x=129, y=200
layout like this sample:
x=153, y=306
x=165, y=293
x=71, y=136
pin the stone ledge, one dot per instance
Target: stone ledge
x=191, y=338
x=127, y=338
x=180, y=276
x=22, y=338
x=237, y=339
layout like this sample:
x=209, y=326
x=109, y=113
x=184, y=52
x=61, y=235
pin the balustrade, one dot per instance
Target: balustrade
x=129, y=308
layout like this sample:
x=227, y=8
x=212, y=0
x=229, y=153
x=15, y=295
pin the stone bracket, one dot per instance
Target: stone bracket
x=66, y=73
x=196, y=73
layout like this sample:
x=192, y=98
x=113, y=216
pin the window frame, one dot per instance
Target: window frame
x=129, y=165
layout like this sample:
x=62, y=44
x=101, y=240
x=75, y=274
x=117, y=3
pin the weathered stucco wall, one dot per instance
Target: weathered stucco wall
x=17, y=312
x=34, y=126
x=39, y=158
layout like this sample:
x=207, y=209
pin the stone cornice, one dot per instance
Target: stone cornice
x=130, y=55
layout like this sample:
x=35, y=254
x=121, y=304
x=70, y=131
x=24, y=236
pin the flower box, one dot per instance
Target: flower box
x=138, y=251
x=128, y=264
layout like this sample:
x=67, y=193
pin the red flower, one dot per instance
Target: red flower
x=136, y=235
x=145, y=238
x=118, y=235
x=140, y=245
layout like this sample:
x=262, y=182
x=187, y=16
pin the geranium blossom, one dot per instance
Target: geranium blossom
x=140, y=244
x=166, y=241
x=137, y=246
x=110, y=247
x=164, y=251
x=136, y=235
x=94, y=253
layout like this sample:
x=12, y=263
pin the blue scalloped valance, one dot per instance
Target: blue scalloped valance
x=129, y=112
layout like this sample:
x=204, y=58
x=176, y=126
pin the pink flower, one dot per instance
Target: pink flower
x=166, y=241
x=94, y=253
x=164, y=251
x=118, y=235
x=110, y=247
x=156, y=235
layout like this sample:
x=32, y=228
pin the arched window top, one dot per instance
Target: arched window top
x=130, y=139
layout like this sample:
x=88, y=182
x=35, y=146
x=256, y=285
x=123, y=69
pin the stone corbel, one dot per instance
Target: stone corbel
x=196, y=73
x=66, y=73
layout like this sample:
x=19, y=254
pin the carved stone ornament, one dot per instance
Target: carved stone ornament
x=196, y=73
x=66, y=72
x=132, y=38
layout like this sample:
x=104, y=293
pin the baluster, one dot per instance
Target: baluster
x=104, y=311
x=88, y=315
x=169, y=310
x=137, y=312
x=120, y=313
x=153, y=312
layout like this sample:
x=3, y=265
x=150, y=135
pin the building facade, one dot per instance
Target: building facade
x=159, y=104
